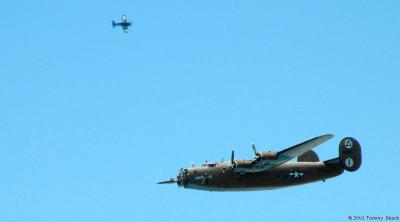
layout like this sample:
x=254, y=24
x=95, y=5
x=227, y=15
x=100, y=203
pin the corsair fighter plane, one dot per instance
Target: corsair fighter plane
x=271, y=170
x=124, y=24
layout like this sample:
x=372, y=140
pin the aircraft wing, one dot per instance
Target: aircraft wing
x=124, y=28
x=291, y=152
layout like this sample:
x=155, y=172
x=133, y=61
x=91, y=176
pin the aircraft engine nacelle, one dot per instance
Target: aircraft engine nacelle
x=267, y=155
x=350, y=154
x=240, y=166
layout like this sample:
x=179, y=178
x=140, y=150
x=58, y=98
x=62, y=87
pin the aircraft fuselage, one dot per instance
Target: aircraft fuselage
x=221, y=177
x=272, y=170
x=122, y=24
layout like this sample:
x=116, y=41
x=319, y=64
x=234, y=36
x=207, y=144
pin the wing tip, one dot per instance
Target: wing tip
x=327, y=136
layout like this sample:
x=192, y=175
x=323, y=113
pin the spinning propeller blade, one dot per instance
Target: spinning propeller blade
x=254, y=148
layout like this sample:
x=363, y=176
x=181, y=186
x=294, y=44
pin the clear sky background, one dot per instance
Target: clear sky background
x=91, y=118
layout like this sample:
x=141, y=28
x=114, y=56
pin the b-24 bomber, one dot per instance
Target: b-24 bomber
x=271, y=170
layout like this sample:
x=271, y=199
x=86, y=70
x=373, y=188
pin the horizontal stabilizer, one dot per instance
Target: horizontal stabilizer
x=333, y=161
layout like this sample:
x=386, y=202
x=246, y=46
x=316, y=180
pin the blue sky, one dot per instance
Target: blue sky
x=91, y=118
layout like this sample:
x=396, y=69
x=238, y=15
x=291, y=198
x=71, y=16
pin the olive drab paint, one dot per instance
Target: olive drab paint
x=271, y=170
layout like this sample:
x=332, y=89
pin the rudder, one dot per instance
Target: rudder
x=350, y=154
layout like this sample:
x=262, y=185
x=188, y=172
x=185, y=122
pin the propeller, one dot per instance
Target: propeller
x=232, y=156
x=254, y=148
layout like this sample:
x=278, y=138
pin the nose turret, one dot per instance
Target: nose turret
x=182, y=177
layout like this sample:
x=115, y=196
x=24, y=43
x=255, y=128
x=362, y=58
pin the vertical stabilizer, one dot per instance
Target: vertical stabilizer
x=350, y=154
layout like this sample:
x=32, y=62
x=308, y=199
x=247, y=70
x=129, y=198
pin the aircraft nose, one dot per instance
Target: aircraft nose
x=182, y=177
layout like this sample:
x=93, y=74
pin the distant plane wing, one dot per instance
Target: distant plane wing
x=292, y=152
x=124, y=28
x=124, y=18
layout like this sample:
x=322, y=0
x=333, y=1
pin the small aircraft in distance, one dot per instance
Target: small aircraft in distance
x=271, y=170
x=124, y=24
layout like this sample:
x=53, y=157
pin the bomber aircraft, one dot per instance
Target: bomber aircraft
x=271, y=170
x=124, y=24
